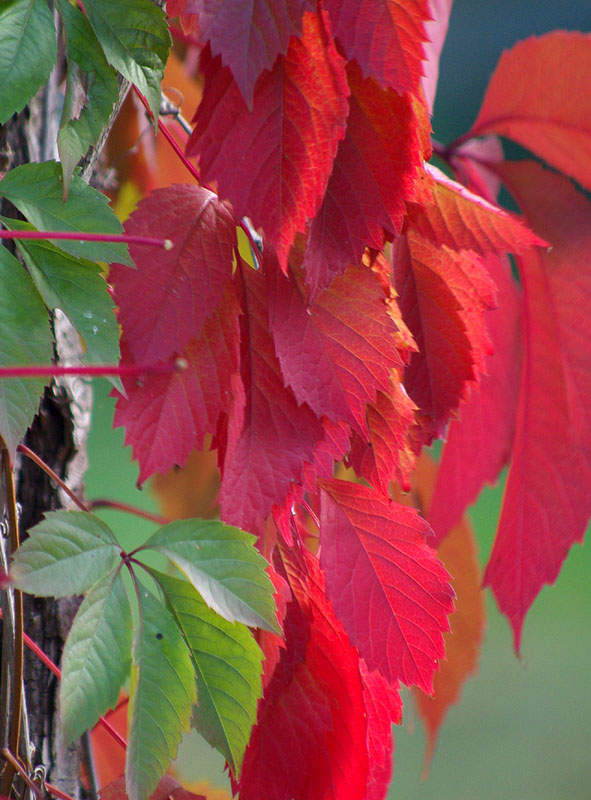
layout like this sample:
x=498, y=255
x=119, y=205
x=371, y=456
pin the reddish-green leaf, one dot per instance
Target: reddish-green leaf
x=384, y=36
x=372, y=176
x=337, y=352
x=274, y=163
x=548, y=495
x=248, y=36
x=165, y=302
x=310, y=739
x=443, y=296
x=385, y=582
x=271, y=436
x=479, y=443
x=462, y=220
x=539, y=96
x=166, y=416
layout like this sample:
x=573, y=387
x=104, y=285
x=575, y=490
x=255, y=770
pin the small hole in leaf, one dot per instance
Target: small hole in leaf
x=159, y=636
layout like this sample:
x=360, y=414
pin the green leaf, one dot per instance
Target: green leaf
x=228, y=665
x=66, y=553
x=37, y=190
x=25, y=339
x=224, y=566
x=135, y=38
x=27, y=52
x=162, y=696
x=91, y=91
x=97, y=657
x=78, y=288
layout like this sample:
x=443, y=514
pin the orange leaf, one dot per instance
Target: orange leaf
x=192, y=490
x=462, y=643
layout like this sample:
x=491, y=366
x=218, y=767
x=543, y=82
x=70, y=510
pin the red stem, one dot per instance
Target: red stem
x=26, y=451
x=102, y=502
x=88, y=237
x=30, y=371
x=57, y=792
x=312, y=513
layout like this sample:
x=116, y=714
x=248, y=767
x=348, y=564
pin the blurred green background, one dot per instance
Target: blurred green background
x=523, y=729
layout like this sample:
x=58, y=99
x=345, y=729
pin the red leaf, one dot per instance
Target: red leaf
x=548, y=495
x=539, y=96
x=373, y=174
x=248, y=36
x=479, y=443
x=336, y=353
x=274, y=163
x=385, y=582
x=384, y=37
x=310, y=739
x=166, y=301
x=167, y=416
x=390, y=454
x=383, y=707
x=435, y=33
x=462, y=220
x=443, y=296
x=270, y=440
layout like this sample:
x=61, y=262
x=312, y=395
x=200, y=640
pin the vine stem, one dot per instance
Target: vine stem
x=17, y=766
x=26, y=451
x=17, y=677
x=91, y=371
x=149, y=241
x=103, y=502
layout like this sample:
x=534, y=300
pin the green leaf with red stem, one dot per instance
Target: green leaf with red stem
x=77, y=287
x=37, y=190
x=25, y=338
